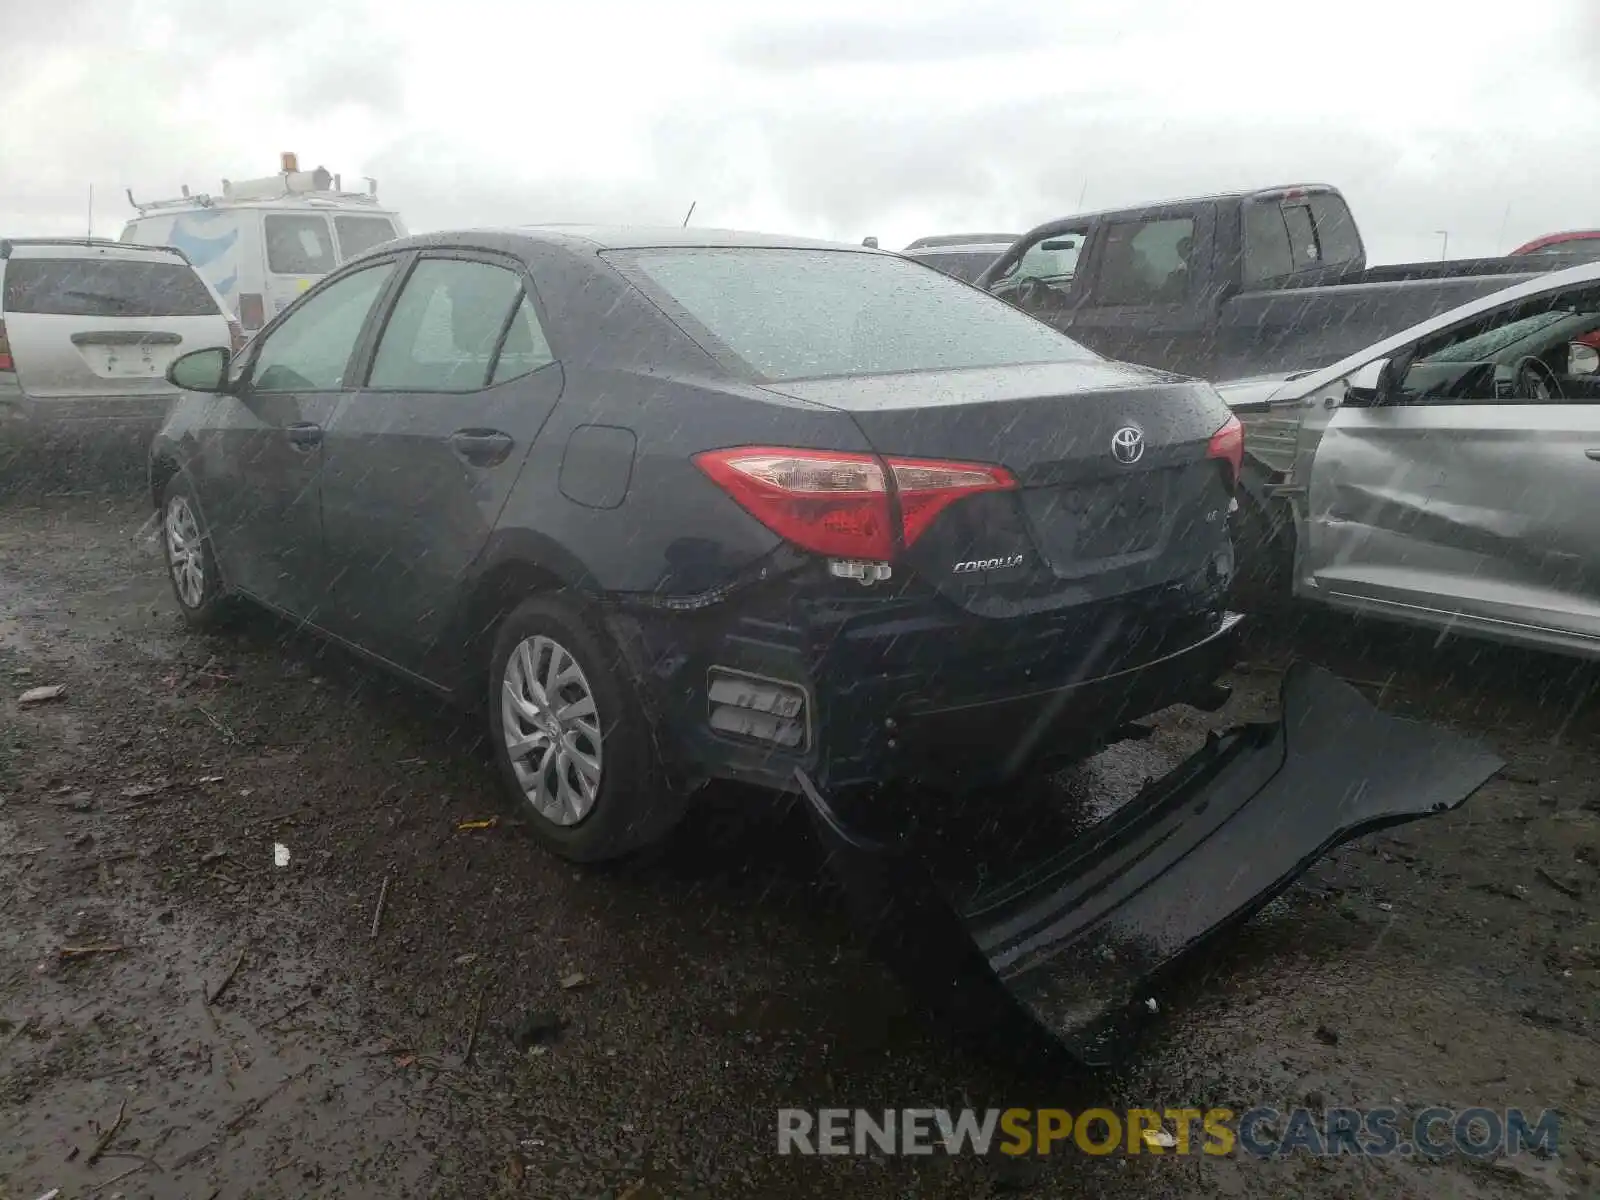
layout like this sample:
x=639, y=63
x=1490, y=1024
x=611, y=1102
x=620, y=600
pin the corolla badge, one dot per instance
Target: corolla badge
x=1127, y=445
x=987, y=564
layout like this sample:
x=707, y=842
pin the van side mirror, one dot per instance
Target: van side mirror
x=201, y=370
x=1369, y=383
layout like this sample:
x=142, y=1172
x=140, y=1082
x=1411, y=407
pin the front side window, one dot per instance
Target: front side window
x=447, y=327
x=299, y=245
x=798, y=314
x=1145, y=262
x=1521, y=353
x=310, y=351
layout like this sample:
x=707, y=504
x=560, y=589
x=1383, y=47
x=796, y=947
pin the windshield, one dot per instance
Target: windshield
x=798, y=314
x=1489, y=343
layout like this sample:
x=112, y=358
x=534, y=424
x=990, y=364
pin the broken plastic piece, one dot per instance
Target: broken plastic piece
x=1055, y=955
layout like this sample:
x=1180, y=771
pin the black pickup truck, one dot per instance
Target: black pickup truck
x=1227, y=287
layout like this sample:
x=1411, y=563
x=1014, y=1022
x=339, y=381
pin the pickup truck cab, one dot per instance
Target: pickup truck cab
x=1234, y=285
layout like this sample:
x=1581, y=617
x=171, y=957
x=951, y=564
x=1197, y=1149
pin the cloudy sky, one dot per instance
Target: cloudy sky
x=841, y=118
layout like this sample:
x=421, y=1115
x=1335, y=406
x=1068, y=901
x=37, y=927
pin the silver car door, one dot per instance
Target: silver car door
x=1465, y=499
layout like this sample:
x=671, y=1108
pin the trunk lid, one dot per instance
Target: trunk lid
x=1116, y=492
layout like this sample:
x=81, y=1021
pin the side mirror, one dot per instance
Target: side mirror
x=1368, y=383
x=1582, y=359
x=871, y=243
x=201, y=370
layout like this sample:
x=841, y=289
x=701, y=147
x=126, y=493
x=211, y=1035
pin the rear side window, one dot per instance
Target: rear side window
x=299, y=245
x=1336, y=231
x=447, y=327
x=357, y=235
x=525, y=349
x=99, y=287
x=1302, y=236
x=1266, y=243
x=1145, y=262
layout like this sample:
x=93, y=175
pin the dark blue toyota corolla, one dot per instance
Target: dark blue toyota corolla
x=683, y=506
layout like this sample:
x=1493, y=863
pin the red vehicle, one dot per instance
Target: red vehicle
x=1584, y=242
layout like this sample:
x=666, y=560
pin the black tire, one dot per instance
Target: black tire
x=208, y=606
x=633, y=805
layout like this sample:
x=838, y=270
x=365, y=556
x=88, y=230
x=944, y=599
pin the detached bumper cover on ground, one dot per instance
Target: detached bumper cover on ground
x=1062, y=953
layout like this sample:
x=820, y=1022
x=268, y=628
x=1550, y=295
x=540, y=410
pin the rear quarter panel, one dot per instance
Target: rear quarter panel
x=674, y=532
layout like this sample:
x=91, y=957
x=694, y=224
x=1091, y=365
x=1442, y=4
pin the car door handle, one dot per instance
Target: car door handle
x=482, y=447
x=304, y=435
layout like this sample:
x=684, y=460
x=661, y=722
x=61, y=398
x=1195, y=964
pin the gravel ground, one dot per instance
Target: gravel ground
x=258, y=1038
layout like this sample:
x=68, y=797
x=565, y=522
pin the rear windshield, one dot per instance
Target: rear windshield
x=77, y=287
x=357, y=235
x=806, y=314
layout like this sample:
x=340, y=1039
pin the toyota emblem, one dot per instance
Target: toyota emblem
x=1127, y=445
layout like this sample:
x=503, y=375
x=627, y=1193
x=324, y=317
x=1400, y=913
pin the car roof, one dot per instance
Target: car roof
x=1555, y=239
x=70, y=247
x=1554, y=281
x=1276, y=191
x=946, y=241
x=995, y=248
x=618, y=237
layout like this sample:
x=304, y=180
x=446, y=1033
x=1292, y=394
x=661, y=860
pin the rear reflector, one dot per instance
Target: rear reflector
x=1227, y=444
x=762, y=710
x=6, y=363
x=838, y=503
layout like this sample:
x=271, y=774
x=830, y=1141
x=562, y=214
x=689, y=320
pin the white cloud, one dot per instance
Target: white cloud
x=838, y=118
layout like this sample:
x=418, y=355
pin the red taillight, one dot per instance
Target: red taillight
x=252, y=311
x=236, y=336
x=1227, y=444
x=837, y=503
x=5, y=351
x=926, y=488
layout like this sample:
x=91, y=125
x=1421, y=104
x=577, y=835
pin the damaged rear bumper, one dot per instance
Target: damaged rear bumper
x=1061, y=953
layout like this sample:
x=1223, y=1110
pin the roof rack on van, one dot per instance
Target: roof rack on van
x=8, y=244
x=289, y=183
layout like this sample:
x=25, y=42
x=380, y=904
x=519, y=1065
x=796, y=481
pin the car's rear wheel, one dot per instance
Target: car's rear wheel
x=191, y=565
x=571, y=737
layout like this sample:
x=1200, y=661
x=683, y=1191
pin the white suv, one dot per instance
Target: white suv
x=88, y=328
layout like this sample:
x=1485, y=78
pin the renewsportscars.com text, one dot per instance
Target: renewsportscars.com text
x=1262, y=1132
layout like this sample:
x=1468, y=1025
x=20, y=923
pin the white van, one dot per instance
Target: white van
x=264, y=241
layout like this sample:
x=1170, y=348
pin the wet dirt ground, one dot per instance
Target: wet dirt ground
x=181, y=1016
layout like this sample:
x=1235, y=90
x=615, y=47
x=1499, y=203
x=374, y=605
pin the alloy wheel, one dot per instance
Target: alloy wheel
x=551, y=727
x=185, y=552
